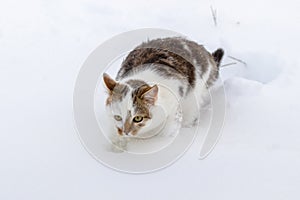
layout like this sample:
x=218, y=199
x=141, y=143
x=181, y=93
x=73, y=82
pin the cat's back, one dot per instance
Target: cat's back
x=174, y=57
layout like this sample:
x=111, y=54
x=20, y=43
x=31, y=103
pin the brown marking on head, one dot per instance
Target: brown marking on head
x=128, y=123
x=143, y=98
x=130, y=126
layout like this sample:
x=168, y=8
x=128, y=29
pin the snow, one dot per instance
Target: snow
x=43, y=45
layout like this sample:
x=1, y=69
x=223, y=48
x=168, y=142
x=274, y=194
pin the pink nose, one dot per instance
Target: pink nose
x=126, y=132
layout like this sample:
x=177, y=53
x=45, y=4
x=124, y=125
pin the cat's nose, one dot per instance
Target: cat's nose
x=129, y=134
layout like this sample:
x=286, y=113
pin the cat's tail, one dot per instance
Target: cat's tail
x=218, y=55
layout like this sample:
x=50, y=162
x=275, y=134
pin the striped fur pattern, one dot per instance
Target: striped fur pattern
x=147, y=76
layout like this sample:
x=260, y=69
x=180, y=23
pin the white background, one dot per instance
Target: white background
x=44, y=43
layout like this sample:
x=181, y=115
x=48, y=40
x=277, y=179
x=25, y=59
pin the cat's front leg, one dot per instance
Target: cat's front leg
x=190, y=111
x=190, y=119
x=118, y=143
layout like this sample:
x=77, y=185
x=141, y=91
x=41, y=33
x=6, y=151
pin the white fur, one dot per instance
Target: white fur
x=166, y=109
x=171, y=111
x=169, y=98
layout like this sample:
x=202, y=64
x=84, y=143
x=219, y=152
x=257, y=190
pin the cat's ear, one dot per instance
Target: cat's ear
x=150, y=95
x=109, y=82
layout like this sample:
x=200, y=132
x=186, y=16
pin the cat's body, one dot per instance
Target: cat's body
x=169, y=74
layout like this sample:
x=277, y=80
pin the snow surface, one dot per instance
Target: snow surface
x=43, y=45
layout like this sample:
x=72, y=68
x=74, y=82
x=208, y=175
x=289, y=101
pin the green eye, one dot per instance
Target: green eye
x=118, y=117
x=137, y=119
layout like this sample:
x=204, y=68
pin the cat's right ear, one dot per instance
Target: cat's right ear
x=109, y=82
x=150, y=95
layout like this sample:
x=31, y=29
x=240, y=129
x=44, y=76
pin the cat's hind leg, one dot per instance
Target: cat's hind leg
x=190, y=111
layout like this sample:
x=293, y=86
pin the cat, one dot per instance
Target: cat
x=160, y=81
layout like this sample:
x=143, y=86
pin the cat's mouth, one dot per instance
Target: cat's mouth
x=146, y=134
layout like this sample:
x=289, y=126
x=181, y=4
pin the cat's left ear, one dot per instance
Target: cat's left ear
x=109, y=82
x=150, y=95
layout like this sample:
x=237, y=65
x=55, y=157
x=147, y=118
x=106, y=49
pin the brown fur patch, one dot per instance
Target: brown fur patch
x=170, y=63
x=141, y=108
x=141, y=105
x=117, y=94
x=128, y=123
x=134, y=83
x=120, y=131
x=130, y=126
x=175, y=56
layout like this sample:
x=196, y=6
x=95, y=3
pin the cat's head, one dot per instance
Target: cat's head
x=131, y=104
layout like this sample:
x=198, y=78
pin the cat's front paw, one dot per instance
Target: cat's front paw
x=190, y=123
x=118, y=144
x=113, y=148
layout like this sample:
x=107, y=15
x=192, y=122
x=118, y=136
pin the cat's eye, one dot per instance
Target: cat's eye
x=138, y=119
x=118, y=117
